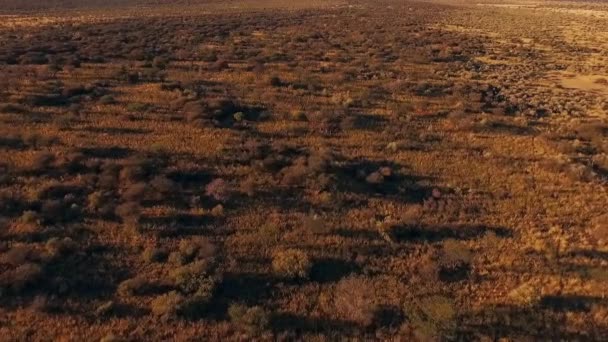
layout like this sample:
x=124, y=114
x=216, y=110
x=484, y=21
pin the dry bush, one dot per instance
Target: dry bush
x=432, y=317
x=313, y=166
x=19, y=255
x=599, y=229
x=218, y=190
x=164, y=187
x=137, y=169
x=129, y=212
x=53, y=211
x=101, y=203
x=21, y=277
x=291, y=263
x=168, y=306
x=108, y=179
x=135, y=192
x=355, y=301
x=11, y=203
x=198, y=248
x=526, y=294
x=251, y=319
x=197, y=283
x=315, y=224
x=42, y=162
x=106, y=308
x=592, y=131
x=42, y=303
x=154, y=254
x=325, y=122
x=57, y=247
x=132, y=287
x=107, y=100
x=13, y=108
x=196, y=112
x=454, y=254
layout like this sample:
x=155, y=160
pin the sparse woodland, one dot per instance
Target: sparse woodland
x=366, y=170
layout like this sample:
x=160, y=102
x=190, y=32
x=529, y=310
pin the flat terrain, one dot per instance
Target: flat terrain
x=290, y=170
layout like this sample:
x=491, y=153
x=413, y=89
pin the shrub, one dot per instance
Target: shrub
x=218, y=190
x=197, y=248
x=168, y=306
x=315, y=224
x=164, y=186
x=45, y=304
x=100, y=202
x=252, y=319
x=599, y=228
x=195, y=112
x=137, y=107
x=135, y=192
x=105, y=308
x=12, y=108
x=177, y=258
x=525, y=295
x=432, y=317
x=107, y=100
x=21, y=277
x=42, y=161
x=132, y=287
x=269, y=233
x=354, y=300
x=194, y=279
x=197, y=284
x=219, y=65
x=29, y=217
x=58, y=247
x=54, y=211
x=18, y=255
x=275, y=81
x=129, y=212
x=291, y=263
x=154, y=254
x=454, y=252
x=160, y=62
x=217, y=211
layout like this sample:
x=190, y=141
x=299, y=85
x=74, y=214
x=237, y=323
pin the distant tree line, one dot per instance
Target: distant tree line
x=21, y=5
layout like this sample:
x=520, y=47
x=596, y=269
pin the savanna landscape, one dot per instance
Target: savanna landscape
x=325, y=170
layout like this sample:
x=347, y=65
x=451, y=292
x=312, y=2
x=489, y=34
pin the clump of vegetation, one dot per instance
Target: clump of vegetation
x=59, y=247
x=454, y=261
x=251, y=319
x=154, y=254
x=132, y=287
x=18, y=279
x=354, y=300
x=599, y=229
x=291, y=263
x=432, y=317
x=315, y=224
x=129, y=213
x=168, y=306
x=218, y=190
x=526, y=294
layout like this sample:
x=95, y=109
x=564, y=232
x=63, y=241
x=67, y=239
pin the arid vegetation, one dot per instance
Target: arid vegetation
x=274, y=170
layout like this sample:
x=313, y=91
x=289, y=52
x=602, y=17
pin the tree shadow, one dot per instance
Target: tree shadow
x=570, y=303
x=114, y=152
x=436, y=233
x=287, y=322
x=251, y=288
x=328, y=270
x=539, y=322
x=115, y=130
x=590, y=253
